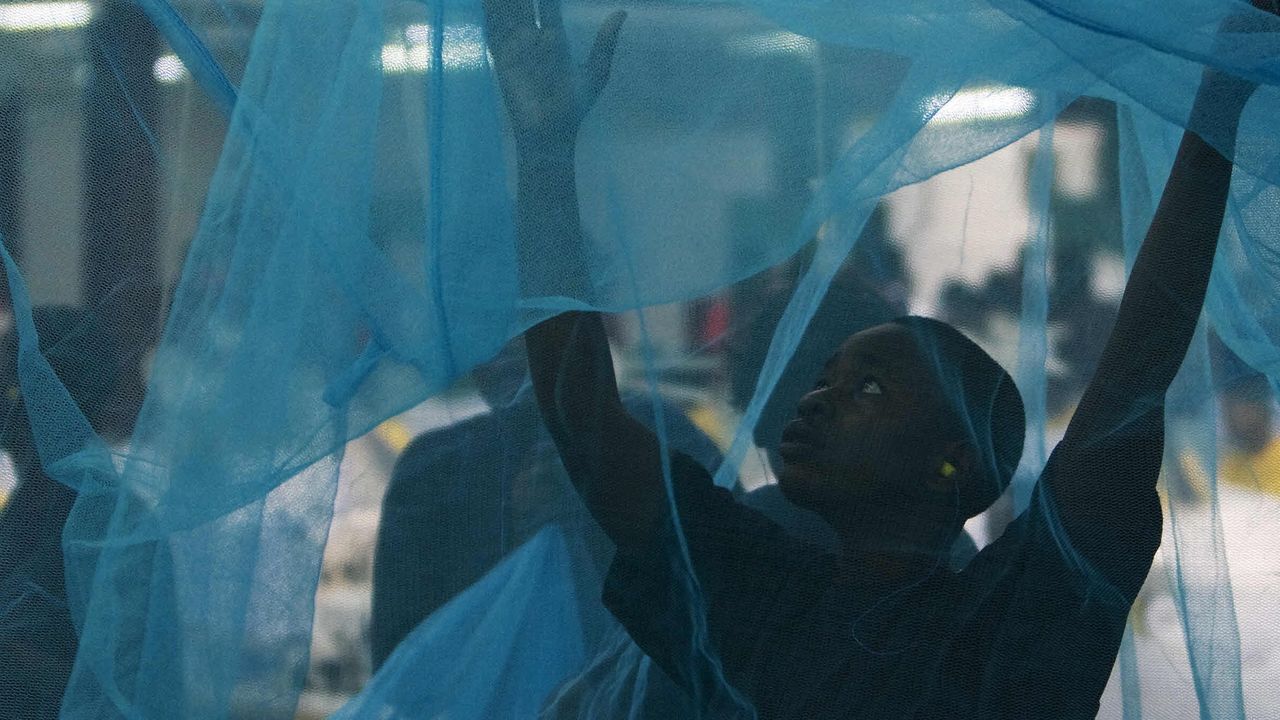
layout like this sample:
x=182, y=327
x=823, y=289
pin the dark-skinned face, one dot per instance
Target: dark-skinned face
x=870, y=430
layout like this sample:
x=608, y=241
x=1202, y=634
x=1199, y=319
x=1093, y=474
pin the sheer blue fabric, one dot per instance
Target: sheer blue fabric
x=356, y=255
x=518, y=623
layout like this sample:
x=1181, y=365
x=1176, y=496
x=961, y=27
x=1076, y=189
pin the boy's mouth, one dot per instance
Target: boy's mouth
x=800, y=442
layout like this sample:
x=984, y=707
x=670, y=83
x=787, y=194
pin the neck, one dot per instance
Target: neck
x=892, y=543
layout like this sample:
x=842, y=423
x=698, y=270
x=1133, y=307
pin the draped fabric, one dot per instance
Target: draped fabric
x=290, y=234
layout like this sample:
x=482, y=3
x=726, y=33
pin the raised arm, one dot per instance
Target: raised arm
x=1166, y=288
x=613, y=460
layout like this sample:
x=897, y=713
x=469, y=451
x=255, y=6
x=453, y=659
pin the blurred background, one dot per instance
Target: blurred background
x=107, y=146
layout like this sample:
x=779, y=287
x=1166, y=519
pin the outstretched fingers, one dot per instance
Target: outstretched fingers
x=600, y=60
x=502, y=18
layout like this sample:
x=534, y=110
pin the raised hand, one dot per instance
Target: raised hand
x=531, y=57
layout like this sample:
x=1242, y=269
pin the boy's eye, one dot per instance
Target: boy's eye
x=871, y=386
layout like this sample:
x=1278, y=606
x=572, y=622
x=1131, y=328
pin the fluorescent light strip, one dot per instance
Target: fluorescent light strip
x=984, y=104
x=37, y=16
x=773, y=43
x=464, y=49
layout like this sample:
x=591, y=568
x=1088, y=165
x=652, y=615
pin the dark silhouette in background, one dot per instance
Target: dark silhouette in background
x=37, y=637
x=461, y=498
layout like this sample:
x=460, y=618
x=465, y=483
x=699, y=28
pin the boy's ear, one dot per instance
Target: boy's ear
x=957, y=465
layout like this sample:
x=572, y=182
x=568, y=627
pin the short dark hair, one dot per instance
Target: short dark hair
x=984, y=403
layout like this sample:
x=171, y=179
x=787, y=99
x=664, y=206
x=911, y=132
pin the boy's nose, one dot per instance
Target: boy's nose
x=813, y=407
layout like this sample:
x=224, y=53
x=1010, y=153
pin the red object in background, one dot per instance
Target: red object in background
x=714, y=323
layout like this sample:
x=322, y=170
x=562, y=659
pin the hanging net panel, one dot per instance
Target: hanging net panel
x=776, y=359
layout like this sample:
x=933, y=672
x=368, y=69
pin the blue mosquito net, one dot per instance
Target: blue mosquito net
x=314, y=313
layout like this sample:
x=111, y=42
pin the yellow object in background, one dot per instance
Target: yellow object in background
x=707, y=419
x=394, y=435
x=1259, y=471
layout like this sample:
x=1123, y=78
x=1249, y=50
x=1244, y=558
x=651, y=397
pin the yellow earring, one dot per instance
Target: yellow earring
x=948, y=470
